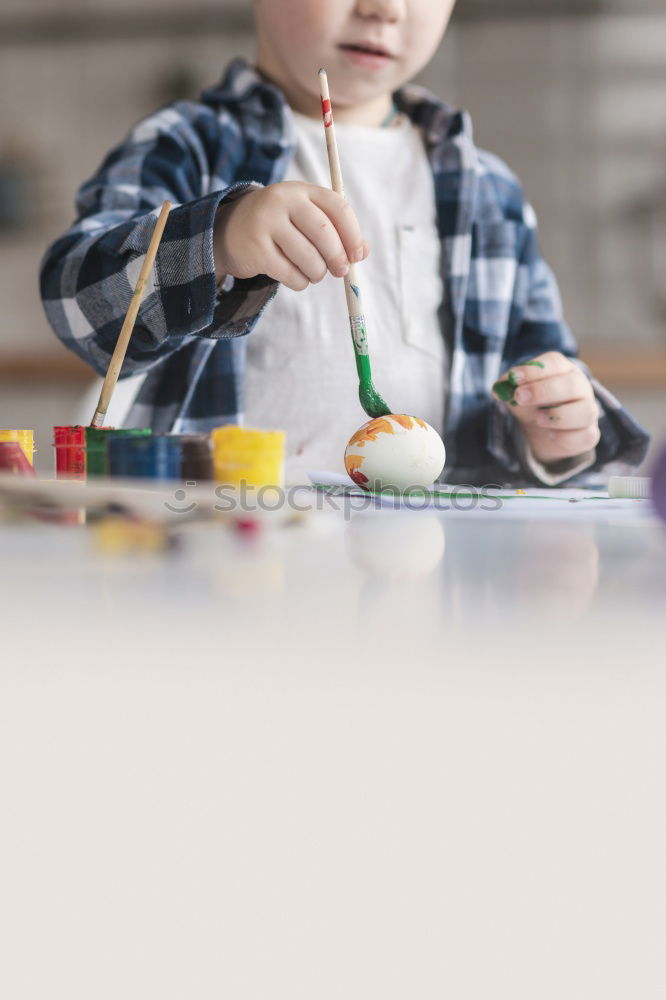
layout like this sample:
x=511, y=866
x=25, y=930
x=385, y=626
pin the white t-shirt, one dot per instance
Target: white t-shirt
x=301, y=373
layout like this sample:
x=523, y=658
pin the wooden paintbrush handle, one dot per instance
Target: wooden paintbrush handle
x=329, y=130
x=352, y=288
x=355, y=310
x=120, y=349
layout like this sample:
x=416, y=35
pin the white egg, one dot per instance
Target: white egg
x=395, y=452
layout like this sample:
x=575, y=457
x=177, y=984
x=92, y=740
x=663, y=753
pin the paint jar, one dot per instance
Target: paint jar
x=97, y=447
x=24, y=437
x=70, y=452
x=246, y=455
x=197, y=463
x=13, y=459
x=151, y=456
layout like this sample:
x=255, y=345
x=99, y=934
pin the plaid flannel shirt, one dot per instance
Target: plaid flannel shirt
x=502, y=304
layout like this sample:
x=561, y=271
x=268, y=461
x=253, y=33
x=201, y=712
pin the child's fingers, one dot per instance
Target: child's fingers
x=281, y=269
x=554, y=390
x=316, y=227
x=555, y=404
x=300, y=251
x=527, y=376
x=543, y=366
x=571, y=416
x=343, y=217
x=550, y=446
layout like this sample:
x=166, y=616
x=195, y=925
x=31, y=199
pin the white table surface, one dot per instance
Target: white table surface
x=390, y=755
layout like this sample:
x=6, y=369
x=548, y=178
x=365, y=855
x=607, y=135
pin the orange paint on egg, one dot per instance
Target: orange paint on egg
x=406, y=421
x=370, y=431
x=352, y=465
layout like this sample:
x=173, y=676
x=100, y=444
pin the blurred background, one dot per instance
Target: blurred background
x=571, y=92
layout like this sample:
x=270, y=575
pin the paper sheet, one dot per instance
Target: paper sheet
x=542, y=503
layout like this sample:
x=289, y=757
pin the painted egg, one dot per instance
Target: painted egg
x=395, y=452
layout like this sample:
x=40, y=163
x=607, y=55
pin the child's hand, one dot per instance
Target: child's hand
x=291, y=231
x=555, y=404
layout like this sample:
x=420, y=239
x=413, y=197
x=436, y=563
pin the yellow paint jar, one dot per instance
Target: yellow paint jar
x=25, y=438
x=246, y=455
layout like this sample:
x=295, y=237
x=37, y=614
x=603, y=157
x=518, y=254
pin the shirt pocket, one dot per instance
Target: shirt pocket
x=284, y=331
x=421, y=288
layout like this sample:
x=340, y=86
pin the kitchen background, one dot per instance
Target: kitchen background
x=571, y=92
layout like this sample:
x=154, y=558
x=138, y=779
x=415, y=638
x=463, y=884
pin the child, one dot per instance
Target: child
x=456, y=292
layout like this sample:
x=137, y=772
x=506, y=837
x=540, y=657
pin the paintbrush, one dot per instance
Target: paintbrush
x=120, y=349
x=371, y=401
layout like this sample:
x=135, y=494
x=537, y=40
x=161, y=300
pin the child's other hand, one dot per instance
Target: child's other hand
x=555, y=404
x=291, y=231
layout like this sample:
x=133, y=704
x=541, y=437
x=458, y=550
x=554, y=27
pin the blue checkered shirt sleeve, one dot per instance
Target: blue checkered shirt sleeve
x=88, y=274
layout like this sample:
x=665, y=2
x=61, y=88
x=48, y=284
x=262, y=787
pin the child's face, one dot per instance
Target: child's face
x=297, y=37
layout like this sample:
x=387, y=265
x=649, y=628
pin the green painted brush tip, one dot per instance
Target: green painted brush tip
x=372, y=402
x=504, y=390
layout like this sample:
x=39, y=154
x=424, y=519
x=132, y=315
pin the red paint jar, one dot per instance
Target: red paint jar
x=70, y=452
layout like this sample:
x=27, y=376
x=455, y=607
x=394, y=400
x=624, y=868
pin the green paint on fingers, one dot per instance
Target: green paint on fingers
x=504, y=390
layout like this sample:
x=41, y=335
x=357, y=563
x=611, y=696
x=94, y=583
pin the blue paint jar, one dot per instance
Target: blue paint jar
x=157, y=456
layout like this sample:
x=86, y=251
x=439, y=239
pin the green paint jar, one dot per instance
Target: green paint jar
x=97, y=446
